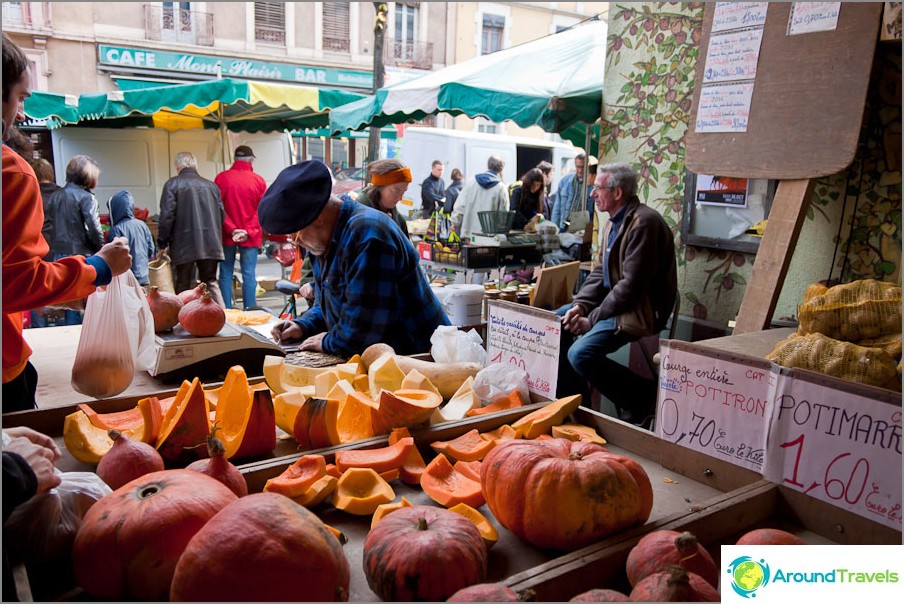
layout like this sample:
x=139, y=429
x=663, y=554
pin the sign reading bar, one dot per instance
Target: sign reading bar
x=714, y=406
x=528, y=338
x=230, y=67
x=838, y=447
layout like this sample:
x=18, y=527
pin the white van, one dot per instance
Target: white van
x=141, y=159
x=469, y=151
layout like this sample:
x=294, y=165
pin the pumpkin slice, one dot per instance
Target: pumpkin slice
x=511, y=401
x=298, y=477
x=354, y=421
x=361, y=368
x=260, y=433
x=578, y=432
x=317, y=493
x=361, y=383
x=85, y=441
x=501, y=434
x=543, y=419
x=414, y=465
x=152, y=414
x=332, y=470
x=487, y=530
x=185, y=427
x=286, y=407
x=404, y=408
x=142, y=422
x=384, y=374
x=296, y=375
x=447, y=487
x=360, y=491
x=347, y=371
x=470, y=446
x=272, y=370
x=324, y=382
x=315, y=424
x=337, y=533
x=245, y=417
x=384, y=509
x=390, y=475
x=379, y=460
x=415, y=380
x=461, y=402
x=471, y=469
x=340, y=390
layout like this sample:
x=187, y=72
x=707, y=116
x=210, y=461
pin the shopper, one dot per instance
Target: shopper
x=629, y=294
x=433, y=190
x=453, y=191
x=191, y=226
x=546, y=168
x=527, y=198
x=241, y=190
x=368, y=283
x=574, y=197
x=486, y=192
x=29, y=281
x=136, y=232
x=47, y=181
x=389, y=180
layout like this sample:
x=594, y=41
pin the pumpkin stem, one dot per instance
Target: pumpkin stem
x=215, y=446
x=686, y=544
x=114, y=434
x=575, y=456
x=422, y=524
x=148, y=491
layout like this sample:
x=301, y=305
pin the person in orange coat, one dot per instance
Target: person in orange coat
x=28, y=281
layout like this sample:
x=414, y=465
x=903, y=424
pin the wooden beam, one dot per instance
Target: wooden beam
x=771, y=265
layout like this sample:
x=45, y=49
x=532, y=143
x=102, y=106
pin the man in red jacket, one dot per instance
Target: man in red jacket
x=241, y=190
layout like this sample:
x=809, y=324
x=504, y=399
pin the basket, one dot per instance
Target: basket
x=492, y=222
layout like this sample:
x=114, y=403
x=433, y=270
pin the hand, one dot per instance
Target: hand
x=313, y=343
x=571, y=315
x=307, y=292
x=35, y=437
x=116, y=255
x=239, y=235
x=40, y=458
x=286, y=330
x=579, y=326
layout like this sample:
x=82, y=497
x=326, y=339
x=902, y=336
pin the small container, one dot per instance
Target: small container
x=509, y=295
x=523, y=297
x=489, y=294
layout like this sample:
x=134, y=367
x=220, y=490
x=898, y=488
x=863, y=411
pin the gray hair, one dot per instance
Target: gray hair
x=622, y=176
x=184, y=159
x=496, y=164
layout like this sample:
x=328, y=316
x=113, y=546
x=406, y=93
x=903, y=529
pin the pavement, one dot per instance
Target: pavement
x=270, y=300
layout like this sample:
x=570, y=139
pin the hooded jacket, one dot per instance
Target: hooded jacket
x=486, y=193
x=141, y=243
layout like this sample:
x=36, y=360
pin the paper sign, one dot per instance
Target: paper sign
x=714, y=406
x=724, y=107
x=733, y=15
x=838, y=447
x=809, y=17
x=528, y=338
x=733, y=55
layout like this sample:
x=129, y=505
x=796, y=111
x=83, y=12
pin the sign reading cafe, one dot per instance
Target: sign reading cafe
x=229, y=67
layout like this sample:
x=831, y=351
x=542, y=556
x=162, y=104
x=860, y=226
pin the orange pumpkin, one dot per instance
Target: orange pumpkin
x=315, y=424
x=184, y=429
x=446, y=486
x=661, y=548
x=379, y=460
x=564, y=495
x=143, y=420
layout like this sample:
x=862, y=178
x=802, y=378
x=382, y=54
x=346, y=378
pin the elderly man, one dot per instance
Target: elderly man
x=368, y=284
x=486, y=192
x=629, y=294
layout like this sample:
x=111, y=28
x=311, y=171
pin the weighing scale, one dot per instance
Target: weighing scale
x=181, y=355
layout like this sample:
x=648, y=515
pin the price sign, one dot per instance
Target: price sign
x=528, y=338
x=837, y=446
x=713, y=405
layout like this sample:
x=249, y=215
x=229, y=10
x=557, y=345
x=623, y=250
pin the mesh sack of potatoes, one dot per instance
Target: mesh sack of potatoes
x=890, y=343
x=852, y=311
x=843, y=360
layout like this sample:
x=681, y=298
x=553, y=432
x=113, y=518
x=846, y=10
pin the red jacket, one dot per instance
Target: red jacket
x=28, y=281
x=241, y=190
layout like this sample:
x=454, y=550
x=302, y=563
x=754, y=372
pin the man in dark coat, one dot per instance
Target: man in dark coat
x=433, y=190
x=191, y=226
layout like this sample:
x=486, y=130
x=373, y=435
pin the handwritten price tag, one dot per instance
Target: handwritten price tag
x=528, y=338
x=838, y=447
x=714, y=406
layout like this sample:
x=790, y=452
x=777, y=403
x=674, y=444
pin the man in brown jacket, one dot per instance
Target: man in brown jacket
x=629, y=294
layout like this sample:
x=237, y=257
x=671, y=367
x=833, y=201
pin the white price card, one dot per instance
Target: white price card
x=528, y=338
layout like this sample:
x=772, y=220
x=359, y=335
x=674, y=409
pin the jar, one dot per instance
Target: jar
x=523, y=297
x=509, y=295
x=488, y=294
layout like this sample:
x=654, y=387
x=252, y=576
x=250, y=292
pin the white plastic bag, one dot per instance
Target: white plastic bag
x=448, y=344
x=497, y=380
x=117, y=339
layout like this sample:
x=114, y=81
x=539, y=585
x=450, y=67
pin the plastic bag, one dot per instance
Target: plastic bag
x=448, y=344
x=43, y=528
x=496, y=381
x=117, y=339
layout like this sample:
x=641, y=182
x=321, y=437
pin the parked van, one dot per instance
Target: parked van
x=469, y=151
x=141, y=159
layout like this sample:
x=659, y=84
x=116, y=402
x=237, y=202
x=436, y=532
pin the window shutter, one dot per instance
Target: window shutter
x=270, y=22
x=336, y=26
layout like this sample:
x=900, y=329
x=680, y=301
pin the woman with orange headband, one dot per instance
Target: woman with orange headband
x=389, y=181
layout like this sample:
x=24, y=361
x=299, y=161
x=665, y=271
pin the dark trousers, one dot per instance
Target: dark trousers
x=207, y=273
x=19, y=392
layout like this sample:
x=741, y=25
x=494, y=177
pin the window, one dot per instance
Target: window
x=13, y=13
x=405, y=31
x=177, y=22
x=335, y=26
x=491, y=38
x=270, y=22
x=486, y=126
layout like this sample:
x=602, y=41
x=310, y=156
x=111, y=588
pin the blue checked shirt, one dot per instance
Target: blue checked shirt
x=369, y=288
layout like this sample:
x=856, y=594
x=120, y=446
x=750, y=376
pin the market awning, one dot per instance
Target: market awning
x=52, y=108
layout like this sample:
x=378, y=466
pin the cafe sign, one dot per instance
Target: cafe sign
x=230, y=67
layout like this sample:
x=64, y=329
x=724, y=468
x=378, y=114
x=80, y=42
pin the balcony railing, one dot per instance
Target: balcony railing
x=270, y=35
x=33, y=16
x=171, y=24
x=415, y=55
x=335, y=44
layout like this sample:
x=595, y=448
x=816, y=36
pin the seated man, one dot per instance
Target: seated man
x=629, y=294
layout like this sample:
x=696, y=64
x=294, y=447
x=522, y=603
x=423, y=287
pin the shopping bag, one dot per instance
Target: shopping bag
x=117, y=339
x=160, y=273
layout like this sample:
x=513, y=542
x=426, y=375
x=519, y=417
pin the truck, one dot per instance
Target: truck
x=469, y=151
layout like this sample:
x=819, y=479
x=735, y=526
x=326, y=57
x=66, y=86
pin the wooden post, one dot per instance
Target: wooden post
x=789, y=208
x=373, y=141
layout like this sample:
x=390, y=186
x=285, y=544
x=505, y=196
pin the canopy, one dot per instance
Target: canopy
x=553, y=82
x=52, y=108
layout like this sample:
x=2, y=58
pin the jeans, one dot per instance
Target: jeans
x=207, y=272
x=248, y=263
x=37, y=318
x=585, y=358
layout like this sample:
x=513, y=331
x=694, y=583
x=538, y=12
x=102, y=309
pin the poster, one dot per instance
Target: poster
x=721, y=191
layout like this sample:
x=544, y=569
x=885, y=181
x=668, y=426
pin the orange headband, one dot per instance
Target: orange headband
x=390, y=178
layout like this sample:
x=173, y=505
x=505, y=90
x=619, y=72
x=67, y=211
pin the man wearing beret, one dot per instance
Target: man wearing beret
x=368, y=285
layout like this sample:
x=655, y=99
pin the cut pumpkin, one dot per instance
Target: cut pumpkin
x=578, y=432
x=85, y=441
x=355, y=419
x=324, y=382
x=384, y=509
x=322, y=489
x=470, y=446
x=462, y=401
x=246, y=417
x=360, y=491
x=471, y=469
x=543, y=419
x=501, y=434
x=384, y=374
x=141, y=422
x=379, y=460
x=315, y=424
x=298, y=477
x=444, y=485
x=361, y=383
x=512, y=401
x=415, y=380
x=390, y=475
x=286, y=407
x=487, y=530
x=185, y=426
x=332, y=470
x=404, y=408
x=295, y=375
x=272, y=370
x=414, y=465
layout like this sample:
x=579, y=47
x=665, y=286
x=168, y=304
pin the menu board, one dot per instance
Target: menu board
x=528, y=338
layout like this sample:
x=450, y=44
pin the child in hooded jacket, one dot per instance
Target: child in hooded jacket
x=124, y=224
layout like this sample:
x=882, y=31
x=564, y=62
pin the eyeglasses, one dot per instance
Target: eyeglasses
x=596, y=188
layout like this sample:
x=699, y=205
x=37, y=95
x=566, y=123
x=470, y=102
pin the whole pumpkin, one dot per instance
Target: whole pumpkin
x=662, y=548
x=129, y=541
x=262, y=548
x=164, y=308
x=770, y=536
x=485, y=592
x=674, y=584
x=564, y=494
x=202, y=317
x=423, y=553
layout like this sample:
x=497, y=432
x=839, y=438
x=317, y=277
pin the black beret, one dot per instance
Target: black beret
x=296, y=197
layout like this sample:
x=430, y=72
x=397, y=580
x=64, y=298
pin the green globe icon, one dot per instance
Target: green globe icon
x=748, y=575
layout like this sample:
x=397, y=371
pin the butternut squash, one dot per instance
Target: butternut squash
x=446, y=377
